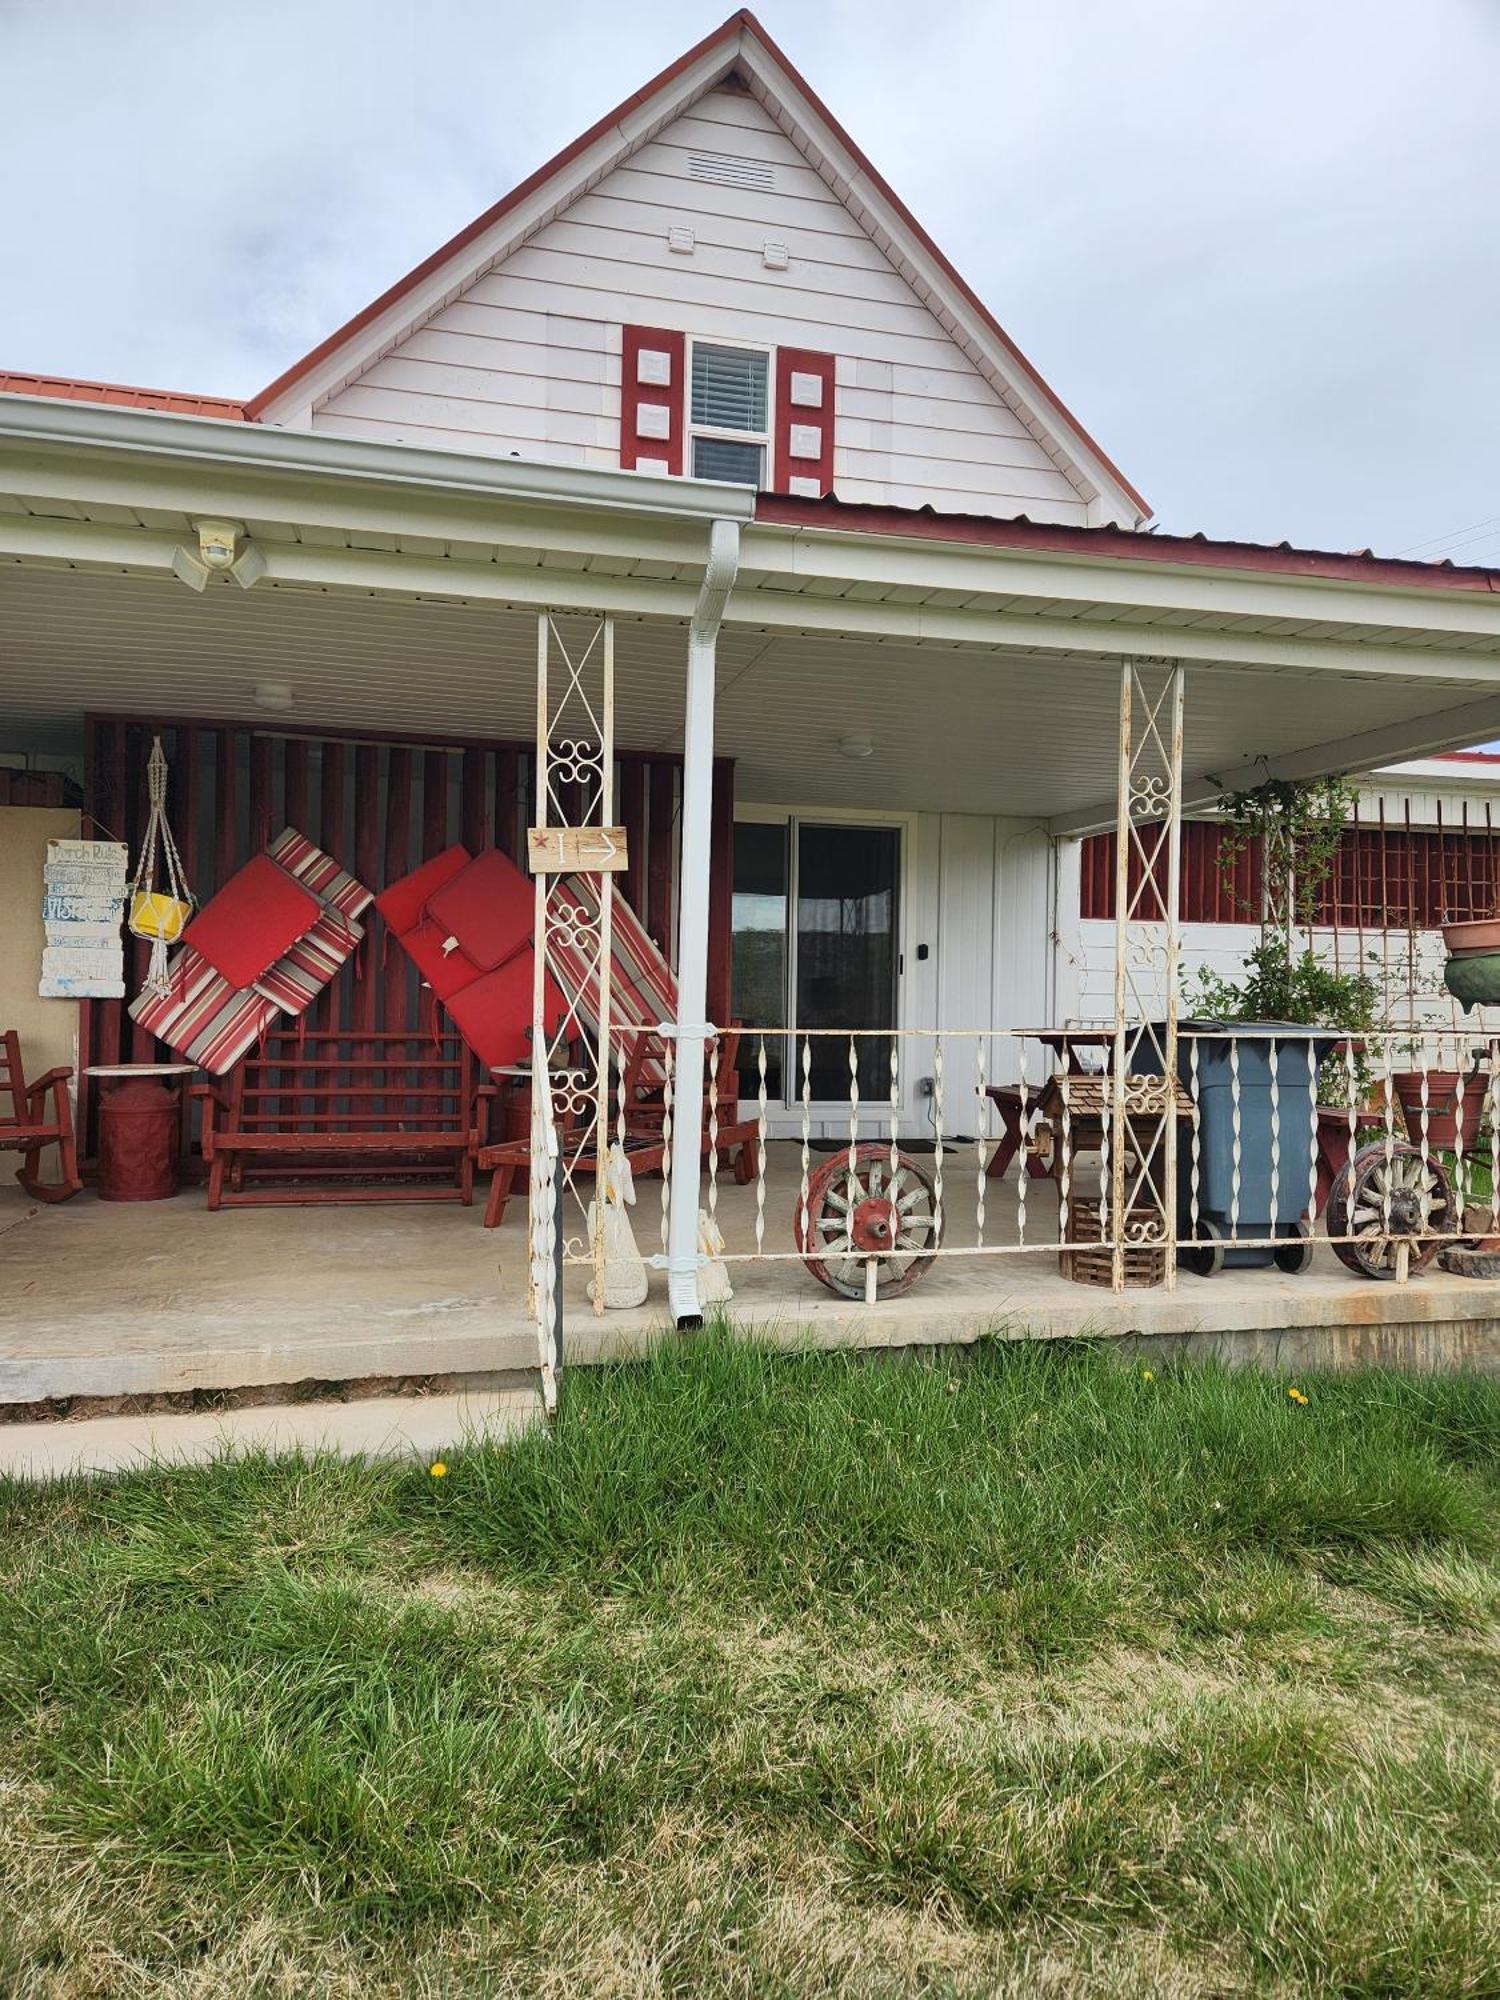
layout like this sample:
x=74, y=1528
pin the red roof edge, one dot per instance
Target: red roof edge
x=493, y=214
x=1123, y=544
x=71, y=389
x=741, y=20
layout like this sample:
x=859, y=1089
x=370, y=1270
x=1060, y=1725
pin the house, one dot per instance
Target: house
x=846, y=619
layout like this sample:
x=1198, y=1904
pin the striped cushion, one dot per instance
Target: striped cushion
x=209, y=1022
x=642, y=987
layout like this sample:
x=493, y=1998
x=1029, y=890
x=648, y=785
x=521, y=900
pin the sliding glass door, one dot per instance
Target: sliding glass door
x=816, y=943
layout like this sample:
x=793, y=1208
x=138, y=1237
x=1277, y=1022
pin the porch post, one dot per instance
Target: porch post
x=1140, y=1169
x=695, y=835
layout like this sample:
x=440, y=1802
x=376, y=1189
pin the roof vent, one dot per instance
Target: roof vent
x=729, y=170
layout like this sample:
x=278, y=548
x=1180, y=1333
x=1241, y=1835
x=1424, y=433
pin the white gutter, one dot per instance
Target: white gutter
x=103, y=427
x=691, y=1028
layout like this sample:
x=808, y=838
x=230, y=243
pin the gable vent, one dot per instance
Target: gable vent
x=729, y=170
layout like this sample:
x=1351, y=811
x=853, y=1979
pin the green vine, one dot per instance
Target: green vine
x=1299, y=828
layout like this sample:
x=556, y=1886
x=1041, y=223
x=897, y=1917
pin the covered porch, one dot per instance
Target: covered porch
x=955, y=687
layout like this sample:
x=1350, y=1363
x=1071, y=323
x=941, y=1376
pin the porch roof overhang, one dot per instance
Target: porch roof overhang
x=397, y=583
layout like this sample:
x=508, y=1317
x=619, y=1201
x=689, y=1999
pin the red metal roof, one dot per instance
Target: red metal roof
x=1126, y=544
x=70, y=389
x=742, y=21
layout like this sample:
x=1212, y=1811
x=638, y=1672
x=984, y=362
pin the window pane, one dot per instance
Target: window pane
x=760, y=947
x=729, y=388
x=727, y=458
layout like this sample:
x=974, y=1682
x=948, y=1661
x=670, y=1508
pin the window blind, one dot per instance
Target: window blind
x=729, y=388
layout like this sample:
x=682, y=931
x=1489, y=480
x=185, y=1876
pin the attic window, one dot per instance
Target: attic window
x=729, y=413
x=730, y=170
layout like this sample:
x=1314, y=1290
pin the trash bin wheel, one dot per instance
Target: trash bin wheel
x=1204, y=1257
x=1295, y=1256
x=1389, y=1198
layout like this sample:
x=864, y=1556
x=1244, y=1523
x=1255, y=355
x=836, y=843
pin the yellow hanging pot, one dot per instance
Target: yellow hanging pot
x=154, y=915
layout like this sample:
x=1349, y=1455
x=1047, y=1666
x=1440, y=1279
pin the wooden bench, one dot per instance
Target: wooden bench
x=34, y=1116
x=362, y=1116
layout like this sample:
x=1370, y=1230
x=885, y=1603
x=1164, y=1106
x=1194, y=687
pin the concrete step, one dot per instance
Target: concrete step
x=372, y=1427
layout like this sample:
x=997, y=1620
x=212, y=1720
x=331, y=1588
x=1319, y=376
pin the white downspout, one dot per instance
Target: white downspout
x=696, y=832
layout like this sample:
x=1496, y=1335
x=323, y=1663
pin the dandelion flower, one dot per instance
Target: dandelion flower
x=1295, y=1395
x=438, y=1469
x=1147, y=1375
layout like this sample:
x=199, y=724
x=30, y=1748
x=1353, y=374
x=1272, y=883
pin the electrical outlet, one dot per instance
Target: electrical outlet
x=926, y=1087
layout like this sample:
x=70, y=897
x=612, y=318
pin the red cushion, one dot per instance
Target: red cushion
x=403, y=902
x=489, y=907
x=446, y=972
x=257, y=915
x=493, y=1012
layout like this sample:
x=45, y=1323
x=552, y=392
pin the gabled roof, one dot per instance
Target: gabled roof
x=70, y=389
x=740, y=46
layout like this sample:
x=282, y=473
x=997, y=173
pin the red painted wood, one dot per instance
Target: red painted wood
x=367, y=867
x=802, y=465
x=476, y=816
x=396, y=965
x=89, y=1010
x=226, y=806
x=330, y=1007
x=434, y=803
x=294, y=783
x=636, y=396
x=721, y=895
x=633, y=819
x=662, y=789
x=508, y=801
x=262, y=800
x=112, y=813
x=184, y=803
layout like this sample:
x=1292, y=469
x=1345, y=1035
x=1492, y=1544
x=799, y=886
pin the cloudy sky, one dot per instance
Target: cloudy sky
x=1255, y=244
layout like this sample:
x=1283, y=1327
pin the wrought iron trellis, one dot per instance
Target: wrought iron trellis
x=1139, y=1176
x=570, y=1067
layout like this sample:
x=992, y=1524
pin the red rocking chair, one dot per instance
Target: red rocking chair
x=27, y=1124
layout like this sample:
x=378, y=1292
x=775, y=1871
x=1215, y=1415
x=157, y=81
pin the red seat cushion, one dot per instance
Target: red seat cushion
x=493, y=1012
x=257, y=915
x=403, y=902
x=488, y=907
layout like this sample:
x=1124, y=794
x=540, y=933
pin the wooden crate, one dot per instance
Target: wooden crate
x=1145, y=1263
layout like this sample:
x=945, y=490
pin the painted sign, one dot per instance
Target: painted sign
x=83, y=908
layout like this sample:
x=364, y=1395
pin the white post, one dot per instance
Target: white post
x=696, y=832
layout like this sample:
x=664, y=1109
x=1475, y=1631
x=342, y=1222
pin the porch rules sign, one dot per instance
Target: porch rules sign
x=83, y=908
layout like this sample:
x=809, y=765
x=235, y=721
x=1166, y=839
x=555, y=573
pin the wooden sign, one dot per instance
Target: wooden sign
x=576, y=850
x=83, y=906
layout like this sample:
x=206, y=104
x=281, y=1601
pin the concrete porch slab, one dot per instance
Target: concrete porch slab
x=102, y=1300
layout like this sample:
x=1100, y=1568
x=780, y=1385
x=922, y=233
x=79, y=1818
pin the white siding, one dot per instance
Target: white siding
x=527, y=362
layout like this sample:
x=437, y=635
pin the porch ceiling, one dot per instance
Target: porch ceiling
x=954, y=727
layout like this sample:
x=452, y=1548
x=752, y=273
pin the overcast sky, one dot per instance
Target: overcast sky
x=1254, y=244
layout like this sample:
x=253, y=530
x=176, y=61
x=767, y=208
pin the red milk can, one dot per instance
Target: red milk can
x=138, y=1132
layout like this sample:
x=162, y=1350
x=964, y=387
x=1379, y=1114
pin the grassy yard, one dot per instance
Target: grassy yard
x=1027, y=1672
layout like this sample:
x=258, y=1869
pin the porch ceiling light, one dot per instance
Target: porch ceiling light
x=856, y=747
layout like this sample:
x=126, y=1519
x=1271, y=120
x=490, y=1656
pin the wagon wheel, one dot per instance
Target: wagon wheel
x=868, y=1213
x=1388, y=1199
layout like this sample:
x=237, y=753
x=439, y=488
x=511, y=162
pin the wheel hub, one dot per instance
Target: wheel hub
x=1406, y=1214
x=872, y=1227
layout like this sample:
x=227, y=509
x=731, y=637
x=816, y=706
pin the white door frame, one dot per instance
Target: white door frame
x=830, y=1116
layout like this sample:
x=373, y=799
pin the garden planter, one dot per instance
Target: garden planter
x=1474, y=978
x=1442, y=1108
x=1473, y=935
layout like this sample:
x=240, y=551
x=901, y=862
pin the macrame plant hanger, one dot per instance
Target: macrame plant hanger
x=158, y=915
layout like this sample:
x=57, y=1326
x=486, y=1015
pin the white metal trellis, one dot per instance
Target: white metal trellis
x=1140, y=1193
x=570, y=1062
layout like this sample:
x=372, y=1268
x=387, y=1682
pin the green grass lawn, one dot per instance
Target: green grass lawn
x=1027, y=1672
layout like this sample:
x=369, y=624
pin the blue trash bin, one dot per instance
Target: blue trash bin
x=1223, y=1210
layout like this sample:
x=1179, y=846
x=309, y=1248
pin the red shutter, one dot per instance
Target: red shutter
x=804, y=422
x=652, y=374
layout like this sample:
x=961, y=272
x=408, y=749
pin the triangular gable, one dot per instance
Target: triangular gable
x=743, y=56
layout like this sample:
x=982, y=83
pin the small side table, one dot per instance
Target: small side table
x=140, y=1116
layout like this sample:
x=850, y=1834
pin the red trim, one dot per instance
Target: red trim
x=741, y=23
x=1122, y=544
x=803, y=361
x=1461, y=757
x=72, y=390
x=636, y=396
